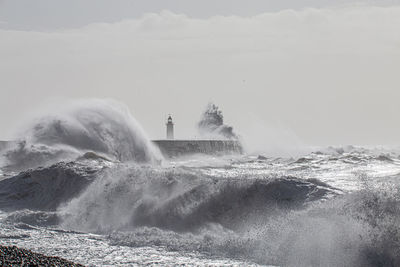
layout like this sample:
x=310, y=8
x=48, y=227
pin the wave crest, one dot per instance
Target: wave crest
x=179, y=200
x=104, y=127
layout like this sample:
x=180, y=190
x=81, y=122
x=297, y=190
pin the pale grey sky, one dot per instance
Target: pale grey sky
x=55, y=14
x=285, y=73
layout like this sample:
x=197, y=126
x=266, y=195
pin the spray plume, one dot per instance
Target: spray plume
x=211, y=124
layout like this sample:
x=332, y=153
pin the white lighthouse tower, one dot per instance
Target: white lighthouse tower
x=170, y=128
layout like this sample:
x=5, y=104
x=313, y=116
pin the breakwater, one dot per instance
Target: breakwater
x=6, y=144
x=175, y=148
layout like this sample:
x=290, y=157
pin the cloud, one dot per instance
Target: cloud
x=330, y=75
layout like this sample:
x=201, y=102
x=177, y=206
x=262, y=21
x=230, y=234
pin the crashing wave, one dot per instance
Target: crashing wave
x=46, y=188
x=211, y=124
x=90, y=181
x=103, y=127
x=360, y=229
x=285, y=221
x=132, y=196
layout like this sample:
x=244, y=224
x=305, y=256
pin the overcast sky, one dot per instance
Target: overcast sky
x=56, y=14
x=285, y=72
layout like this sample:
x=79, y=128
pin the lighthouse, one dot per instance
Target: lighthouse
x=170, y=128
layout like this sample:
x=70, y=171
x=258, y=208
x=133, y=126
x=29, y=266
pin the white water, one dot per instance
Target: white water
x=331, y=208
x=104, y=127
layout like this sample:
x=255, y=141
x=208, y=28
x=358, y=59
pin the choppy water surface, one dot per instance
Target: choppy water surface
x=324, y=208
x=72, y=189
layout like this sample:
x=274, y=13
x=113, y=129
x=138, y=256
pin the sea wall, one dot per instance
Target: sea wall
x=175, y=148
x=6, y=144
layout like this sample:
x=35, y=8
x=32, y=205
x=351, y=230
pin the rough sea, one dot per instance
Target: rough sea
x=87, y=185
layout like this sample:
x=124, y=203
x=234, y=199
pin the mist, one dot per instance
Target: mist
x=316, y=76
x=211, y=124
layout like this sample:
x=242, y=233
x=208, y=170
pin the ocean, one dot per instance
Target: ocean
x=89, y=186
